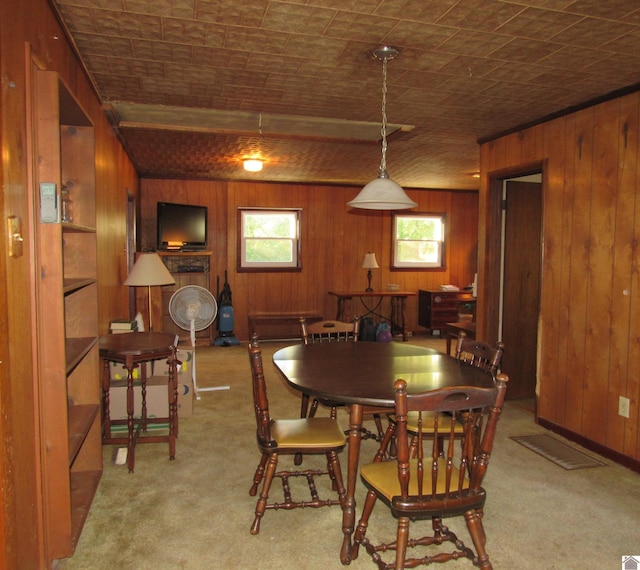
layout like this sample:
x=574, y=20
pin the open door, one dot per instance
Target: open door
x=521, y=283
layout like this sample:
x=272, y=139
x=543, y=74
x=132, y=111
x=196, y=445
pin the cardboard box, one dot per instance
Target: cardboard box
x=157, y=398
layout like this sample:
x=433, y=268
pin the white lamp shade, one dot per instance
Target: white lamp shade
x=382, y=194
x=149, y=270
x=370, y=261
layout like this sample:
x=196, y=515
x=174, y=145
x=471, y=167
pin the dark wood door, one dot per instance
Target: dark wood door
x=521, y=297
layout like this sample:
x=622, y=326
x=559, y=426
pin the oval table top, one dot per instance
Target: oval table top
x=364, y=372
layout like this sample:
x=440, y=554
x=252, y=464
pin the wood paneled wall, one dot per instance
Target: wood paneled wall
x=589, y=333
x=30, y=25
x=335, y=239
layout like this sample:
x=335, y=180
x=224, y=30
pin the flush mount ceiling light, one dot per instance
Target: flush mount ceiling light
x=383, y=193
x=252, y=164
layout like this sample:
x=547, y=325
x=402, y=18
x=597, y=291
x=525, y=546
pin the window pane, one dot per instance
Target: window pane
x=269, y=251
x=418, y=240
x=269, y=225
x=269, y=239
x=418, y=251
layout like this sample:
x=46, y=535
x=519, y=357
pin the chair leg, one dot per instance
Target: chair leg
x=384, y=451
x=264, y=494
x=401, y=542
x=378, y=422
x=363, y=523
x=304, y=405
x=476, y=530
x=259, y=474
x=335, y=473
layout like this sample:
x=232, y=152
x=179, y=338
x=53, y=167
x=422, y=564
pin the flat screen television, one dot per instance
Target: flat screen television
x=182, y=226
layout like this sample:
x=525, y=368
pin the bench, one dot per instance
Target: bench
x=270, y=319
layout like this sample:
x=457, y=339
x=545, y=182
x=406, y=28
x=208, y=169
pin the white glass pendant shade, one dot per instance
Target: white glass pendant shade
x=382, y=194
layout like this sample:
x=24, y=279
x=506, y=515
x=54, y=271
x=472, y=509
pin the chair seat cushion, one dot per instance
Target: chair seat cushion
x=383, y=478
x=307, y=432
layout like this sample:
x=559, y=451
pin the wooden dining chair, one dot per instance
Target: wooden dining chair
x=469, y=352
x=479, y=353
x=289, y=437
x=336, y=331
x=324, y=332
x=431, y=486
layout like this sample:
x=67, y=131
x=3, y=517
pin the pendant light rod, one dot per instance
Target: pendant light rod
x=383, y=193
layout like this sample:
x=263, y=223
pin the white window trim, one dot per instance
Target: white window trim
x=244, y=265
x=397, y=264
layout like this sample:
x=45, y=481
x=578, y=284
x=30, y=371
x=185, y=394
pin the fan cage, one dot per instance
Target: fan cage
x=193, y=298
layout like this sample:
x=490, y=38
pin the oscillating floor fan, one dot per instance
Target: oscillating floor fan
x=193, y=308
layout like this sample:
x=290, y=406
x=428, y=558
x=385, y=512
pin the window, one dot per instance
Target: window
x=269, y=239
x=418, y=241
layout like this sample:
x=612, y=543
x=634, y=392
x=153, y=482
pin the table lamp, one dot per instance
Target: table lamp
x=149, y=271
x=369, y=263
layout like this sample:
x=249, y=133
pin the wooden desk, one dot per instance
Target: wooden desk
x=362, y=374
x=398, y=301
x=131, y=350
x=452, y=330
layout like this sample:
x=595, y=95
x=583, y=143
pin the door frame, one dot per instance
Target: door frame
x=490, y=249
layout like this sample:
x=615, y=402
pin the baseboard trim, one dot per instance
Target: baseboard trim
x=598, y=448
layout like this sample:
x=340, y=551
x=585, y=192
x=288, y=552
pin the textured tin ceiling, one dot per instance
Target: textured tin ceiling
x=292, y=81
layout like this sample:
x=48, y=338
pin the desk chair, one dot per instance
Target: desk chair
x=431, y=486
x=289, y=437
x=335, y=331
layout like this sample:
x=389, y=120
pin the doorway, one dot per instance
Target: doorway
x=521, y=283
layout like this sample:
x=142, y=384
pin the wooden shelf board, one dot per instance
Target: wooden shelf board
x=81, y=419
x=76, y=348
x=71, y=285
x=70, y=227
x=83, y=488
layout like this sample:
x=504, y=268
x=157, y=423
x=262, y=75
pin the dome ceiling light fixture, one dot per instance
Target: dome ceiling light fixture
x=383, y=193
x=252, y=164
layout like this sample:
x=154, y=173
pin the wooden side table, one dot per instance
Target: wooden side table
x=132, y=350
x=398, y=301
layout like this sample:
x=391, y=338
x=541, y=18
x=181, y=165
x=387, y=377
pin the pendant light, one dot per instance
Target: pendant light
x=383, y=193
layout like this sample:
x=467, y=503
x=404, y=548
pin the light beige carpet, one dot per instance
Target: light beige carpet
x=195, y=512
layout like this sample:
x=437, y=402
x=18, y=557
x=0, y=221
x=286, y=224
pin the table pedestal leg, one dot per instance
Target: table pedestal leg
x=173, y=405
x=131, y=458
x=398, y=305
x=349, y=507
x=106, y=403
x=344, y=307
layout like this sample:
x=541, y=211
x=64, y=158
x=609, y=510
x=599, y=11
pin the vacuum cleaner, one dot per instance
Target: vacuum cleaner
x=225, y=315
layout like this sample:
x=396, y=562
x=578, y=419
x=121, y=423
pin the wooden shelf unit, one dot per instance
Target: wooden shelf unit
x=67, y=318
x=179, y=265
x=437, y=308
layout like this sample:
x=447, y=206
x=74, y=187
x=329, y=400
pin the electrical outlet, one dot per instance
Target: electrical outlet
x=623, y=407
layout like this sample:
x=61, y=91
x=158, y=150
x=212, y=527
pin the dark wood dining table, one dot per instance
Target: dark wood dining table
x=362, y=374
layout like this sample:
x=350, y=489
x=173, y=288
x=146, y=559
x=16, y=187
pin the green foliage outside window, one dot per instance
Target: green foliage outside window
x=418, y=240
x=269, y=238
